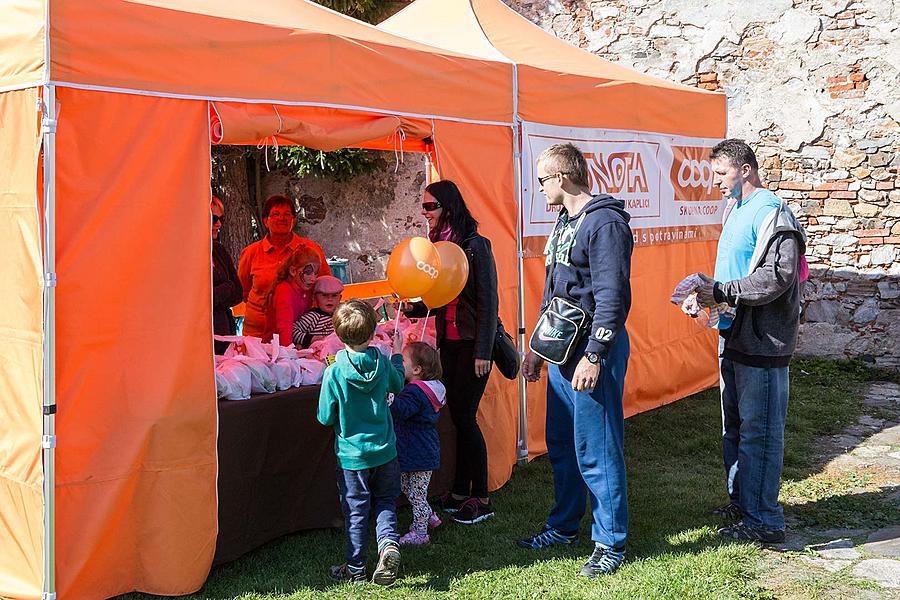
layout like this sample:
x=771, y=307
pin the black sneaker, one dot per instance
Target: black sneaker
x=744, y=533
x=602, y=561
x=343, y=573
x=546, y=538
x=729, y=512
x=449, y=504
x=473, y=511
x=388, y=565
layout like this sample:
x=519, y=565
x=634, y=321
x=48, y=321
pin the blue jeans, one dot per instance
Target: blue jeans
x=585, y=443
x=754, y=409
x=376, y=489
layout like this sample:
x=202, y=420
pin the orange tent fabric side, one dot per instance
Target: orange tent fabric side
x=21, y=353
x=479, y=159
x=136, y=456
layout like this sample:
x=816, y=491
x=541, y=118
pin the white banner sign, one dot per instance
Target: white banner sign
x=665, y=181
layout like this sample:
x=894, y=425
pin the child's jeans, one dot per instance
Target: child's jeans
x=415, y=487
x=375, y=488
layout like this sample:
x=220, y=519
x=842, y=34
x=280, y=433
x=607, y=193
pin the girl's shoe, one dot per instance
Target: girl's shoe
x=434, y=521
x=415, y=539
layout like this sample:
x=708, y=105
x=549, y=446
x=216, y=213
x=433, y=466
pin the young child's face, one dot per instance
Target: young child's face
x=328, y=302
x=305, y=277
x=411, y=369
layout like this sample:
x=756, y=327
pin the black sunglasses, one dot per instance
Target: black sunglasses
x=541, y=180
x=218, y=219
x=431, y=205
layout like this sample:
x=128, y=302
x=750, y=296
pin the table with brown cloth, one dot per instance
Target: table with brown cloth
x=277, y=469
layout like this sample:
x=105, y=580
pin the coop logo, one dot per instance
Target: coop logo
x=692, y=174
x=617, y=172
x=427, y=269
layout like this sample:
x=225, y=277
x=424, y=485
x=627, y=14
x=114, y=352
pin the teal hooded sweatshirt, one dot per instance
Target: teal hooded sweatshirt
x=353, y=400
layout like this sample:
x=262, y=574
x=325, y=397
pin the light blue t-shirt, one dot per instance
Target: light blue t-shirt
x=738, y=239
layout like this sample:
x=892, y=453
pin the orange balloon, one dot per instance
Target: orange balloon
x=452, y=278
x=413, y=267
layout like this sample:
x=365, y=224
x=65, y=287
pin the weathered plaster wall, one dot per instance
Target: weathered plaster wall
x=814, y=86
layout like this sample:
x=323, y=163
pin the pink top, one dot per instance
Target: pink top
x=288, y=302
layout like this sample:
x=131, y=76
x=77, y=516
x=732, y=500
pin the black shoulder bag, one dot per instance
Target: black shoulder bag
x=560, y=326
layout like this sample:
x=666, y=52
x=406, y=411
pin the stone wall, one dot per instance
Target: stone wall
x=813, y=86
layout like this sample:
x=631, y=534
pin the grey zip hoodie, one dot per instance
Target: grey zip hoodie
x=764, y=332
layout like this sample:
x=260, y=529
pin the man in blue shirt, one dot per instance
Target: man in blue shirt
x=757, y=272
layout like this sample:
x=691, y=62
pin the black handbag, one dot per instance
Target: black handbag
x=558, y=331
x=505, y=356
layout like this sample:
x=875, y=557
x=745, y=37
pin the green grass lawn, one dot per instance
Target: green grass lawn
x=675, y=478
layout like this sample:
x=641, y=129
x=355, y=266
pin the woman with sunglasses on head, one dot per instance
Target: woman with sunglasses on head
x=291, y=294
x=226, y=285
x=260, y=260
x=466, y=328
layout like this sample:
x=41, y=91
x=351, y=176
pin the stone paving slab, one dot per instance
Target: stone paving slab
x=883, y=571
x=885, y=542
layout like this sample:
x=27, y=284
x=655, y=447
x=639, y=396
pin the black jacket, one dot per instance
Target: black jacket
x=476, y=311
x=226, y=293
x=589, y=256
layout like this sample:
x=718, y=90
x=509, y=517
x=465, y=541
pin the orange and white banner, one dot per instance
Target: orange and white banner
x=665, y=181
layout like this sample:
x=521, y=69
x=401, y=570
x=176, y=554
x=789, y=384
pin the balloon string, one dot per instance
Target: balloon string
x=424, y=324
x=397, y=323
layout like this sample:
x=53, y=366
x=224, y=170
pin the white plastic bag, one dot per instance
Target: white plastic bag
x=238, y=377
x=223, y=388
x=312, y=371
x=262, y=380
x=284, y=374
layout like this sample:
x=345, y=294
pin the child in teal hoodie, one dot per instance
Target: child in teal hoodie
x=353, y=400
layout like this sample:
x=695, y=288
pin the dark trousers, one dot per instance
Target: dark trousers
x=372, y=490
x=464, y=392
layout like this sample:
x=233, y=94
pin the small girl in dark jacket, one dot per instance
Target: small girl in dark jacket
x=415, y=410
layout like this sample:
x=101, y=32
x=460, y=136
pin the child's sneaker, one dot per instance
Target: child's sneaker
x=415, y=539
x=473, y=511
x=388, y=565
x=449, y=504
x=343, y=573
x=434, y=521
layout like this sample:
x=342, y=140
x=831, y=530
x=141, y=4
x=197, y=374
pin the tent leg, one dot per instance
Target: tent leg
x=522, y=434
x=48, y=440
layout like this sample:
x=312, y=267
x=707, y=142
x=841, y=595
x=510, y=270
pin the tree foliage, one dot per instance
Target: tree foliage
x=340, y=165
x=370, y=11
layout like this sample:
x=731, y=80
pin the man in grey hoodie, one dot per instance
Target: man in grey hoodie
x=757, y=272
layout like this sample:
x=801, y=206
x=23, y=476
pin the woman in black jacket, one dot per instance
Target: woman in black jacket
x=226, y=285
x=465, y=335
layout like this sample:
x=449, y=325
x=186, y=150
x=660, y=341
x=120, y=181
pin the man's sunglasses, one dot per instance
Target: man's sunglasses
x=431, y=205
x=218, y=219
x=542, y=180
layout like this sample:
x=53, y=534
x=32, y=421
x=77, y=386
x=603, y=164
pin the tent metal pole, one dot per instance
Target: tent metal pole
x=48, y=439
x=522, y=433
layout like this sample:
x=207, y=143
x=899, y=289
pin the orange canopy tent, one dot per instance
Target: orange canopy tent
x=646, y=140
x=108, y=459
